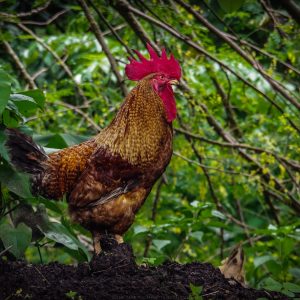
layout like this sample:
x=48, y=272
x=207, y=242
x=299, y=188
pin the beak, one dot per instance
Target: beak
x=174, y=82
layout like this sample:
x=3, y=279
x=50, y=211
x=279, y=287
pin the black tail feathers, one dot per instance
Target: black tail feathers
x=25, y=154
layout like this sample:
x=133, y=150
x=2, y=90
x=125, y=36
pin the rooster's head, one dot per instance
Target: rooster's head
x=162, y=72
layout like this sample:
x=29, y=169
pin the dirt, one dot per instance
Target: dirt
x=115, y=275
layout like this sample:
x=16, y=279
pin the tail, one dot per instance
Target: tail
x=25, y=154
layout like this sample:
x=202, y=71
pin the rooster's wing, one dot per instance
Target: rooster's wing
x=106, y=177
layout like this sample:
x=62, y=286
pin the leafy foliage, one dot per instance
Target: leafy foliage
x=234, y=175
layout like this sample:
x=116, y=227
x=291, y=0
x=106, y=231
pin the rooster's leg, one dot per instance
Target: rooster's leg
x=119, y=238
x=96, y=242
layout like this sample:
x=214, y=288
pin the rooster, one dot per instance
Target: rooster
x=107, y=178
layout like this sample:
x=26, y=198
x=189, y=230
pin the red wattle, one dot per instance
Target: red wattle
x=168, y=99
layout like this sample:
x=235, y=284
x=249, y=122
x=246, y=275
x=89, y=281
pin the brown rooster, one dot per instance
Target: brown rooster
x=107, y=179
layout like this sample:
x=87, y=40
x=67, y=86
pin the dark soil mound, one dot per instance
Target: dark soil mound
x=115, y=275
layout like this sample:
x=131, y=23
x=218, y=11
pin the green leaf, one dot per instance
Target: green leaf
x=3, y=150
x=288, y=293
x=159, y=244
x=60, y=234
x=10, y=118
x=5, y=89
x=15, y=182
x=25, y=104
x=72, y=139
x=295, y=272
x=21, y=97
x=149, y=260
x=195, y=292
x=261, y=260
x=231, y=5
x=218, y=214
x=37, y=95
x=17, y=238
x=56, y=141
x=291, y=287
x=139, y=229
x=198, y=235
x=272, y=285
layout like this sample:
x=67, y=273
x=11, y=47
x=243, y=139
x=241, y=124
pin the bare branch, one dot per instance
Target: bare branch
x=78, y=110
x=111, y=28
x=123, y=7
x=233, y=125
x=208, y=167
x=29, y=13
x=19, y=65
x=266, y=7
x=52, y=19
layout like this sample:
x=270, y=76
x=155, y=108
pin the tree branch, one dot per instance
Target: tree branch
x=49, y=21
x=272, y=16
x=228, y=109
x=19, y=65
x=111, y=28
x=123, y=7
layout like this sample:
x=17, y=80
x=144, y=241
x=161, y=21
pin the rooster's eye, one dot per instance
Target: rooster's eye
x=162, y=76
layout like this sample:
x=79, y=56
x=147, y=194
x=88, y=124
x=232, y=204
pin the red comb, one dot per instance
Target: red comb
x=137, y=70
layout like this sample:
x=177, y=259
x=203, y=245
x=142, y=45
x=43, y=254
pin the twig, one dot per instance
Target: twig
x=228, y=108
x=251, y=240
x=122, y=6
x=41, y=274
x=111, y=28
x=29, y=13
x=210, y=185
x=99, y=36
x=78, y=110
x=208, y=167
x=241, y=214
x=5, y=250
x=267, y=194
x=45, y=23
x=272, y=16
x=26, y=76
x=39, y=73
